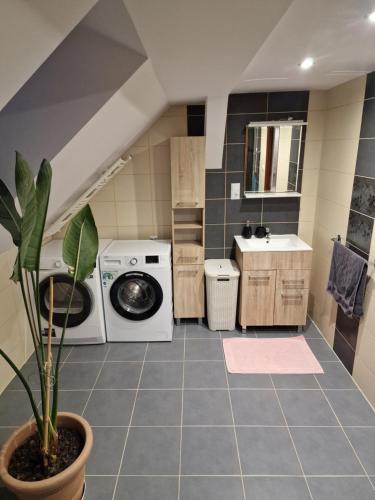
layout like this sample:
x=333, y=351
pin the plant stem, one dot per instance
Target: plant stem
x=28, y=390
x=48, y=366
x=35, y=282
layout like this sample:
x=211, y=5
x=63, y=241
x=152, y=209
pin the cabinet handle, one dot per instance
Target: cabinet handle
x=188, y=273
x=287, y=296
x=187, y=260
x=259, y=278
x=187, y=205
x=293, y=281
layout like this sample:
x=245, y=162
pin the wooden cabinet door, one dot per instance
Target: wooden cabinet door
x=258, y=297
x=188, y=283
x=291, y=307
x=187, y=172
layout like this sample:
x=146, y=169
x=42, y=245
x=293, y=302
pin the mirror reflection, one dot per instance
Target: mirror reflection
x=272, y=156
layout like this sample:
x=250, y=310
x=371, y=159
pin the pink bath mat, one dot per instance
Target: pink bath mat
x=290, y=355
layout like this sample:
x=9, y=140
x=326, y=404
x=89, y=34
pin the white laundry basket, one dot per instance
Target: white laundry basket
x=222, y=277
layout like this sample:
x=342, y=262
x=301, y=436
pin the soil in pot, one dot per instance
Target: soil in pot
x=26, y=463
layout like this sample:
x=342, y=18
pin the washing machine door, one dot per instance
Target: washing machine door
x=136, y=296
x=82, y=302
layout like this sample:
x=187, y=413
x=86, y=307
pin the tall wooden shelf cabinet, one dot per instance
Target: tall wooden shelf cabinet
x=188, y=206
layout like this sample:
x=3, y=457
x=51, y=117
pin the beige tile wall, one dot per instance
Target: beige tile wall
x=136, y=204
x=337, y=118
x=14, y=337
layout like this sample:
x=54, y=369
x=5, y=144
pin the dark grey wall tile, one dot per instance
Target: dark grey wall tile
x=196, y=109
x=295, y=115
x=215, y=185
x=288, y=101
x=215, y=236
x=232, y=230
x=281, y=209
x=299, y=180
x=348, y=327
x=215, y=211
x=214, y=253
x=370, y=85
x=279, y=228
x=356, y=250
x=360, y=231
x=237, y=177
x=242, y=210
x=366, y=158
x=368, y=119
x=363, y=196
x=235, y=157
x=230, y=253
x=195, y=125
x=236, y=125
x=344, y=351
x=247, y=103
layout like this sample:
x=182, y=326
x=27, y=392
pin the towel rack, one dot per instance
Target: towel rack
x=338, y=238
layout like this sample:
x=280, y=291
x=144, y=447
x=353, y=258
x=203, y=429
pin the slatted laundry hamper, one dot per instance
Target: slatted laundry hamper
x=222, y=276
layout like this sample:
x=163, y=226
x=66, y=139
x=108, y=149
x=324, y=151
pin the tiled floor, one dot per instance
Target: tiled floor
x=171, y=424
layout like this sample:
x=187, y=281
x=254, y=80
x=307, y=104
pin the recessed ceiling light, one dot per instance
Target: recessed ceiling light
x=307, y=63
x=371, y=17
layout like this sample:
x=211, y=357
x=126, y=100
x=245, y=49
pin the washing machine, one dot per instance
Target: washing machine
x=137, y=290
x=86, y=320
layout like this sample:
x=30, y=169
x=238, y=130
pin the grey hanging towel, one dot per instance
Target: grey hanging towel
x=347, y=280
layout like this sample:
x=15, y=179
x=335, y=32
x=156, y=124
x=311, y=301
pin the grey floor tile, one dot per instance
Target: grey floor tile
x=162, y=375
x=335, y=376
x=267, y=451
x=351, y=408
x=295, y=382
x=15, y=407
x=119, y=375
x=107, y=451
x=207, y=407
x=311, y=331
x=341, y=488
x=280, y=488
x=73, y=401
x=271, y=335
x=179, y=331
x=5, y=432
x=194, y=331
x=325, y=451
x=99, y=488
x=112, y=408
x=254, y=407
x=363, y=441
x=6, y=494
x=87, y=353
x=79, y=376
x=31, y=373
x=203, y=350
x=64, y=353
x=321, y=350
x=152, y=451
x=209, y=374
x=166, y=351
x=209, y=451
x=158, y=408
x=127, y=351
x=211, y=488
x=249, y=381
x=147, y=488
x=306, y=408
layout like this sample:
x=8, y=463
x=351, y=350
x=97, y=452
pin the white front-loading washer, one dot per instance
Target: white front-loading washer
x=137, y=290
x=86, y=320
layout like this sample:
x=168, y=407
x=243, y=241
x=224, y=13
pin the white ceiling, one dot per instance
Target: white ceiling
x=335, y=32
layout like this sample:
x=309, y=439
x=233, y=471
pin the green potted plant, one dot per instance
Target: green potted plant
x=45, y=458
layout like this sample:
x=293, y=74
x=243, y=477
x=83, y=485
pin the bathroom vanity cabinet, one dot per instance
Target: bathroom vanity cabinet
x=188, y=205
x=274, y=287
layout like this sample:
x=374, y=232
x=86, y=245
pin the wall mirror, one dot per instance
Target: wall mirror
x=272, y=156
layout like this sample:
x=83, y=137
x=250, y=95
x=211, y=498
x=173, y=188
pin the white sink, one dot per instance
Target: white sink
x=276, y=243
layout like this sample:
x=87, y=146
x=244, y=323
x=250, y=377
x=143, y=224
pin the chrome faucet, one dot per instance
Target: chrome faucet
x=268, y=233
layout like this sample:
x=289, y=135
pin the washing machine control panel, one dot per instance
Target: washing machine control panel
x=133, y=261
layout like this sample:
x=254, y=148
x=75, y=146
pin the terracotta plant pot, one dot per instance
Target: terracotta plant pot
x=68, y=484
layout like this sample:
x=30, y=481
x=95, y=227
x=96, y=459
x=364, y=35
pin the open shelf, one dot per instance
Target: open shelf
x=188, y=225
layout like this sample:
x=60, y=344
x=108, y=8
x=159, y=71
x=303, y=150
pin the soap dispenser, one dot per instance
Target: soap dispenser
x=246, y=233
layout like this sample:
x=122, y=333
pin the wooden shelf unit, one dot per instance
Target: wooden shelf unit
x=188, y=215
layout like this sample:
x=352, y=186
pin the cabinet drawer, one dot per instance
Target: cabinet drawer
x=188, y=287
x=188, y=254
x=293, y=279
x=294, y=260
x=259, y=260
x=291, y=307
x=258, y=289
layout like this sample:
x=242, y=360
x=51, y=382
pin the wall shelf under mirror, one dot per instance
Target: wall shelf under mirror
x=273, y=157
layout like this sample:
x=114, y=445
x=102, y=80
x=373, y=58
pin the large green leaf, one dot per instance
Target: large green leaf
x=9, y=217
x=43, y=189
x=80, y=248
x=27, y=198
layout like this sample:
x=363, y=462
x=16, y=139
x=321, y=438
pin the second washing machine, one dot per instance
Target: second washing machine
x=137, y=290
